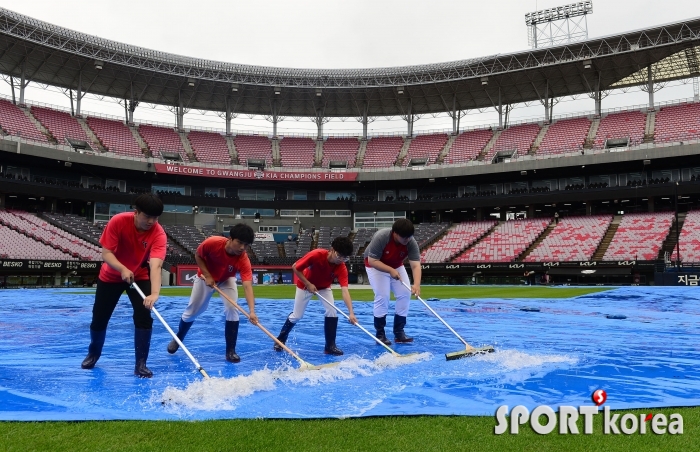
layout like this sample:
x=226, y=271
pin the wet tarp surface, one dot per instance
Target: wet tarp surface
x=555, y=356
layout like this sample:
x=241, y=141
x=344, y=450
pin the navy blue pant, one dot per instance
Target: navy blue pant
x=106, y=299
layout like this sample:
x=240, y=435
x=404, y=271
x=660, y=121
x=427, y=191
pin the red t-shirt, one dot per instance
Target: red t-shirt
x=316, y=268
x=220, y=264
x=393, y=254
x=131, y=247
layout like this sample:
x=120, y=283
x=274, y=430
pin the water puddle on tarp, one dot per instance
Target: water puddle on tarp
x=556, y=356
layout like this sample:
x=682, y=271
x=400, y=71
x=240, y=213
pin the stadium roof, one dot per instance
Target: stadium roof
x=58, y=56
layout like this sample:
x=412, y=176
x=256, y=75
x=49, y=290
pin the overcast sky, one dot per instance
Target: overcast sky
x=336, y=34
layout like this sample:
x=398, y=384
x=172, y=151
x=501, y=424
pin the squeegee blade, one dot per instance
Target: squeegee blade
x=470, y=352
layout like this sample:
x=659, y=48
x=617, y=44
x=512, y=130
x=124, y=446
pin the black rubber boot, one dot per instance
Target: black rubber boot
x=284, y=333
x=97, y=340
x=379, y=324
x=399, y=335
x=181, y=333
x=231, y=333
x=330, y=328
x=142, y=345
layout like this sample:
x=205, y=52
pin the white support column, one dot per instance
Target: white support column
x=79, y=93
x=650, y=87
x=365, y=120
x=546, y=102
x=22, y=83
x=500, y=110
x=228, y=115
x=597, y=97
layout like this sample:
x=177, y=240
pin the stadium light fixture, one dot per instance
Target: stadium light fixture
x=318, y=92
x=646, y=162
x=587, y=64
x=399, y=89
x=234, y=87
x=278, y=90
x=99, y=64
x=523, y=173
x=190, y=81
x=484, y=81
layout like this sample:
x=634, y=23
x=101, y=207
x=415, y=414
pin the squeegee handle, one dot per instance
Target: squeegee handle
x=356, y=324
x=436, y=315
x=264, y=330
x=172, y=333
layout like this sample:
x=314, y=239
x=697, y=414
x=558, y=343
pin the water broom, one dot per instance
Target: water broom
x=304, y=365
x=469, y=350
x=172, y=333
x=397, y=355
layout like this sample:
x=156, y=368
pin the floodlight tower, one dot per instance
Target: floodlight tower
x=560, y=25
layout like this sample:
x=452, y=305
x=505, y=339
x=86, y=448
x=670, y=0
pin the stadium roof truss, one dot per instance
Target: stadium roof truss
x=48, y=54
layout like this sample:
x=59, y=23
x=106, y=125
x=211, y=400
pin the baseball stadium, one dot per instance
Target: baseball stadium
x=551, y=259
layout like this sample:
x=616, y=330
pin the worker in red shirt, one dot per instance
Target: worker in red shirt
x=132, y=243
x=314, y=273
x=219, y=258
x=384, y=258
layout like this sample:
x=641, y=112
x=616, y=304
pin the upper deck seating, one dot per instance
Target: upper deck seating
x=60, y=124
x=677, y=123
x=15, y=122
x=297, y=152
x=425, y=146
x=340, y=149
x=209, y=147
x=468, y=145
x=382, y=152
x=564, y=136
x=519, y=138
x=160, y=139
x=115, y=136
x=253, y=147
x=629, y=124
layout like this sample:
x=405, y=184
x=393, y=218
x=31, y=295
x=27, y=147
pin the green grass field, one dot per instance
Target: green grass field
x=462, y=292
x=419, y=433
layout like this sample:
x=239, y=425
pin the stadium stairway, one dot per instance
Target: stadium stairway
x=537, y=242
x=489, y=145
x=649, y=128
x=232, y=149
x=592, y=133
x=188, y=147
x=28, y=112
x=361, y=154
x=403, y=152
x=445, y=150
x=476, y=242
x=538, y=140
x=318, y=158
x=669, y=245
x=607, y=238
x=139, y=140
x=94, y=141
x=276, y=156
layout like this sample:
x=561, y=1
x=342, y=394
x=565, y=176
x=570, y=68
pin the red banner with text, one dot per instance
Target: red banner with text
x=268, y=175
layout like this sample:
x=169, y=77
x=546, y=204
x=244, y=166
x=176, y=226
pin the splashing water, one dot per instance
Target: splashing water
x=224, y=393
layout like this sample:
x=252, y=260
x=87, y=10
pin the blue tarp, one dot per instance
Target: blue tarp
x=557, y=356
